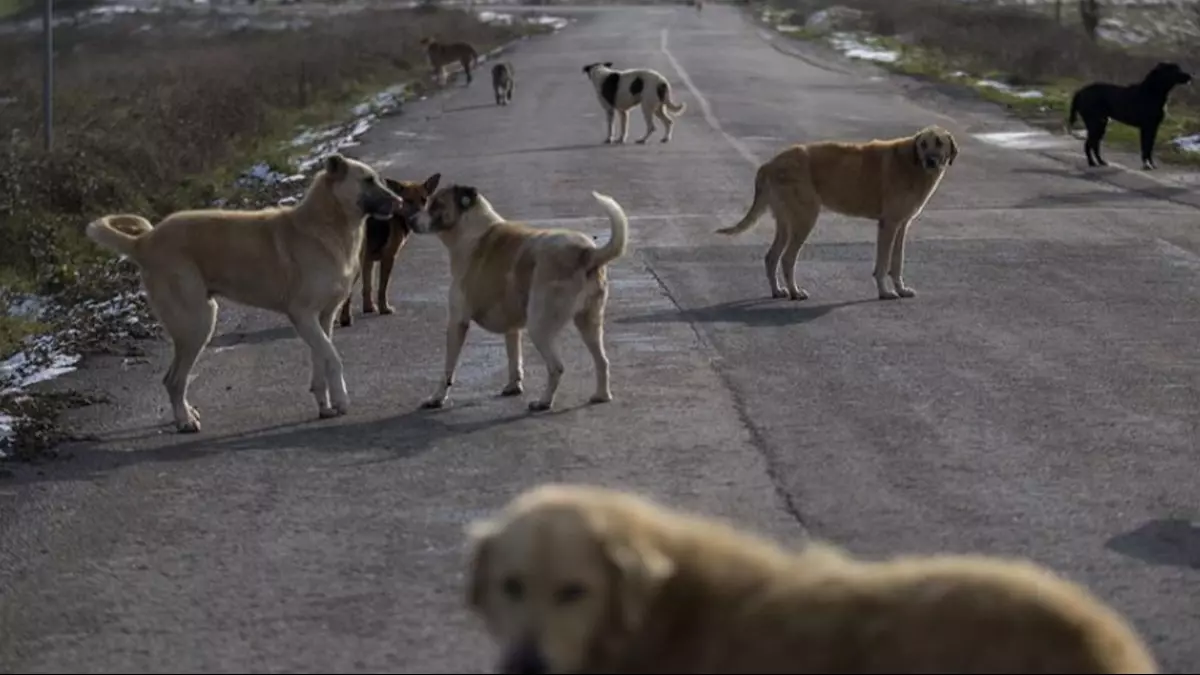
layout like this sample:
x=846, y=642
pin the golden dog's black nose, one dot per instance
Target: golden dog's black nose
x=524, y=659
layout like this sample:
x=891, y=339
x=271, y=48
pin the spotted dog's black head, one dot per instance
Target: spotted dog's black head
x=587, y=70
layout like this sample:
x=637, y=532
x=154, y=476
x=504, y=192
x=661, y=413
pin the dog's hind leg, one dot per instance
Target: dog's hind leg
x=648, y=113
x=547, y=317
x=456, y=336
x=590, y=323
x=189, y=318
x=368, y=286
x=796, y=216
x=1095, y=135
x=516, y=367
x=771, y=260
x=669, y=123
x=385, y=278
x=896, y=269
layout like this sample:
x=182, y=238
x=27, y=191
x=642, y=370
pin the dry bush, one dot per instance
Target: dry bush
x=153, y=120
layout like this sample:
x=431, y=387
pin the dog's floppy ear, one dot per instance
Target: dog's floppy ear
x=608, y=64
x=465, y=196
x=916, y=153
x=431, y=183
x=638, y=571
x=480, y=537
x=953, y=149
x=336, y=166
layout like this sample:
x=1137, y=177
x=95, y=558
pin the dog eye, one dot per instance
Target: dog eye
x=568, y=593
x=513, y=588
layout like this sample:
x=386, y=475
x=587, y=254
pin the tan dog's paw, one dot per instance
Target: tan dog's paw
x=328, y=413
x=512, y=389
x=191, y=426
x=778, y=293
x=888, y=295
x=601, y=397
x=368, y=308
x=195, y=411
x=798, y=294
x=387, y=309
x=906, y=292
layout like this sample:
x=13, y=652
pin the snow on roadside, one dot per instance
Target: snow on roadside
x=855, y=48
x=1187, y=143
x=1009, y=89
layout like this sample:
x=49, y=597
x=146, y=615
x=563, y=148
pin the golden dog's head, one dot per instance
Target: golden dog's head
x=934, y=148
x=559, y=577
x=358, y=188
x=446, y=208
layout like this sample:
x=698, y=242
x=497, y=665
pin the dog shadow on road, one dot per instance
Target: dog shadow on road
x=1167, y=541
x=751, y=313
x=1104, y=176
x=254, y=337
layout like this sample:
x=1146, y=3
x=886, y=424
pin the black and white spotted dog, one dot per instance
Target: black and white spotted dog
x=621, y=90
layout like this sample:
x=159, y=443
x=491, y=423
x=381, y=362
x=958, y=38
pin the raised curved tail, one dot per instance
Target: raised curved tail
x=120, y=233
x=615, y=248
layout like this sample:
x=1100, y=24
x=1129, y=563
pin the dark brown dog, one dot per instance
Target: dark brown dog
x=383, y=241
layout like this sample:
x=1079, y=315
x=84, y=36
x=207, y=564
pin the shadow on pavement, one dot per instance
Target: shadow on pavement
x=1167, y=541
x=757, y=312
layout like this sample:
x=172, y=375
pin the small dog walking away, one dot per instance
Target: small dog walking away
x=507, y=277
x=382, y=243
x=621, y=90
x=1142, y=105
x=442, y=54
x=888, y=181
x=299, y=261
x=584, y=579
x=504, y=82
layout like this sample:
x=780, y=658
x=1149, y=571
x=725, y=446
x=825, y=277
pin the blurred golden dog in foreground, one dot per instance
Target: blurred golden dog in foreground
x=576, y=579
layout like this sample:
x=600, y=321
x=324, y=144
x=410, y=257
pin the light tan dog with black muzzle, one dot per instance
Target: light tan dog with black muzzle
x=582, y=579
x=508, y=277
x=888, y=181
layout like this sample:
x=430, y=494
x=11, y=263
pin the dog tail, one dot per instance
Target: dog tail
x=119, y=233
x=615, y=248
x=757, y=208
x=667, y=94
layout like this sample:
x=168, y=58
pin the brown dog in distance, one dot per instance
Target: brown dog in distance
x=580, y=579
x=888, y=181
x=382, y=243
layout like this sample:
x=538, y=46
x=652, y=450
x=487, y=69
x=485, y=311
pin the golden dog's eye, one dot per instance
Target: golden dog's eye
x=568, y=593
x=513, y=588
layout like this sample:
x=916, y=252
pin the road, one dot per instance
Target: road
x=1039, y=397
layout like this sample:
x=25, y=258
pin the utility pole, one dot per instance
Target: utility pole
x=48, y=75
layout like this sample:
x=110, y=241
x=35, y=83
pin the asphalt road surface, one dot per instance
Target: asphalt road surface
x=1039, y=397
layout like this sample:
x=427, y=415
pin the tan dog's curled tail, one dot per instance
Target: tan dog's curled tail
x=757, y=208
x=119, y=233
x=615, y=248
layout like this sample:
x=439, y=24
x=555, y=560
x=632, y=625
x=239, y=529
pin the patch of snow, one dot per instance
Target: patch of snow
x=1009, y=89
x=836, y=17
x=1022, y=140
x=498, y=18
x=1187, y=143
x=854, y=48
x=555, y=22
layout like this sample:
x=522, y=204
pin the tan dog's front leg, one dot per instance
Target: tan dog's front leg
x=897, y=263
x=385, y=277
x=456, y=335
x=888, y=229
x=512, y=345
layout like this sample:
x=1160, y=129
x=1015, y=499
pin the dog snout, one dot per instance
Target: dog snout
x=524, y=658
x=420, y=222
x=931, y=163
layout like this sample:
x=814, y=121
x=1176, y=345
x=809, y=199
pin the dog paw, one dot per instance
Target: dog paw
x=189, y=427
x=368, y=308
x=778, y=293
x=889, y=295
x=513, y=389
x=602, y=397
x=798, y=294
x=608, y=141
x=641, y=141
x=345, y=321
x=194, y=411
x=906, y=292
x=327, y=413
x=666, y=140
x=538, y=406
x=387, y=309
x=433, y=403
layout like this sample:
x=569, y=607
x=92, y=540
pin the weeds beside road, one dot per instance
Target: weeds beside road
x=155, y=113
x=1018, y=55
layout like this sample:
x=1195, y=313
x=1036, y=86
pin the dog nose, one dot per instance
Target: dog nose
x=524, y=659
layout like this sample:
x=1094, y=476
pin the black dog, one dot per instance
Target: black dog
x=1141, y=105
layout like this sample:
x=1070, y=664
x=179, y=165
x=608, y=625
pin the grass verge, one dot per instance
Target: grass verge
x=1018, y=56
x=155, y=112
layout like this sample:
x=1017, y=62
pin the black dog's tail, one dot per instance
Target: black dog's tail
x=1074, y=114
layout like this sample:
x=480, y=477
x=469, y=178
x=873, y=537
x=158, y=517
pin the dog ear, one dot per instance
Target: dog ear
x=481, y=535
x=336, y=166
x=608, y=64
x=916, y=153
x=638, y=571
x=465, y=196
x=953, y=149
x=431, y=183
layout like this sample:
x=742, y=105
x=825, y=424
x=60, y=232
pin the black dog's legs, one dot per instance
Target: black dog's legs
x=1095, y=134
x=1148, y=134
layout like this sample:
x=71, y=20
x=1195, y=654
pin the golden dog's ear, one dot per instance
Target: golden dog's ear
x=480, y=535
x=639, y=571
x=916, y=153
x=431, y=183
x=336, y=166
x=953, y=148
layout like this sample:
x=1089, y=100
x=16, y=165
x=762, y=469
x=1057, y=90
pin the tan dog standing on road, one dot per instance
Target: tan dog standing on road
x=382, y=243
x=508, y=277
x=577, y=579
x=888, y=181
x=298, y=260
x=442, y=54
